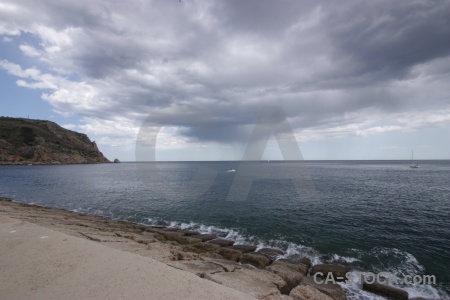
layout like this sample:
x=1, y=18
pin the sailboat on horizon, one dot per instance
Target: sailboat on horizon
x=412, y=164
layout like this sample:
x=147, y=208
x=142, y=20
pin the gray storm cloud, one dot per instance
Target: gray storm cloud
x=327, y=64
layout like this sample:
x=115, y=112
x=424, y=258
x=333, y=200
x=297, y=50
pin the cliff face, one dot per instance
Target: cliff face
x=25, y=141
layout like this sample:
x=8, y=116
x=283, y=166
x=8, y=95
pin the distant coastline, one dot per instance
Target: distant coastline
x=27, y=141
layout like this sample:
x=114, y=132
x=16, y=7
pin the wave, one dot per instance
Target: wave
x=390, y=260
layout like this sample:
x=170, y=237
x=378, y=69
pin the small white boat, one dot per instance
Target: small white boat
x=231, y=170
x=412, y=164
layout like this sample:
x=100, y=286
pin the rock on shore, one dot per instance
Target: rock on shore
x=26, y=141
x=209, y=257
x=386, y=290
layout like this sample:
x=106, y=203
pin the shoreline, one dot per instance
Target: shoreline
x=237, y=267
x=41, y=263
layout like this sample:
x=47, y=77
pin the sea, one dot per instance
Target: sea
x=374, y=216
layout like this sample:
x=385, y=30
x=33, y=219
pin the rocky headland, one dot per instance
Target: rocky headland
x=257, y=272
x=27, y=141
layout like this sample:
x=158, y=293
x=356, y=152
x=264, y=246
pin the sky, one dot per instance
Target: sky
x=355, y=79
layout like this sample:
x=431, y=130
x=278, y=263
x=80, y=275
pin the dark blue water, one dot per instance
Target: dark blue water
x=380, y=216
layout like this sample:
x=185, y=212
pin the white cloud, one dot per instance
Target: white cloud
x=10, y=15
x=30, y=51
x=66, y=96
x=55, y=40
x=378, y=130
x=113, y=63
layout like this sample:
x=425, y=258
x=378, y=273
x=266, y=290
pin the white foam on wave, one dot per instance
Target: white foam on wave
x=354, y=292
x=345, y=259
x=293, y=250
x=403, y=263
x=261, y=244
x=226, y=233
x=397, y=261
x=425, y=291
x=391, y=259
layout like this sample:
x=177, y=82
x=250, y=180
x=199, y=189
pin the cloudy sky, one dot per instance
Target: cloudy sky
x=356, y=79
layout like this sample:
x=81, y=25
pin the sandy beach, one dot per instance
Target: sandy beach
x=43, y=262
x=49, y=253
x=40, y=263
